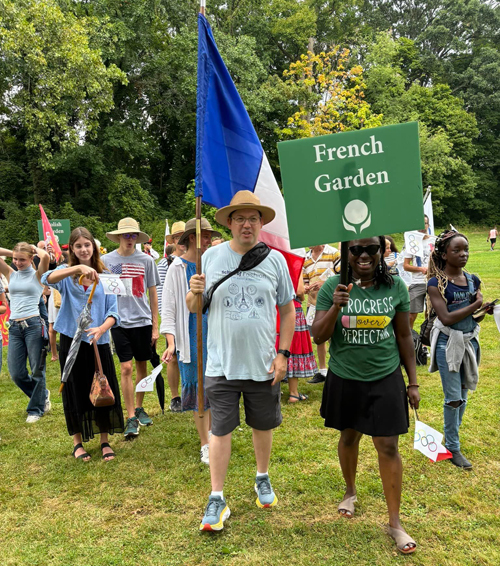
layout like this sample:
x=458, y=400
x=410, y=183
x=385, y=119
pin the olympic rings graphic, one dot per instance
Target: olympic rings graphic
x=413, y=244
x=114, y=287
x=426, y=440
x=145, y=382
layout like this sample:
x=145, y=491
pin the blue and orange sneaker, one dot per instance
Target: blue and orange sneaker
x=265, y=494
x=216, y=513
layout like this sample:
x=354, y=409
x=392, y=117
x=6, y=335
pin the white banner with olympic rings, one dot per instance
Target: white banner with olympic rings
x=147, y=383
x=114, y=285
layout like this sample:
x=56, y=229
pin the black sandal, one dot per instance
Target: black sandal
x=109, y=455
x=84, y=455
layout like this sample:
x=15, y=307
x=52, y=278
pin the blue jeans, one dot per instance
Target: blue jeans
x=26, y=344
x=453, y=390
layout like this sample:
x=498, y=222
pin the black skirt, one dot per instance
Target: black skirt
x=81, y=416
x=375, y=408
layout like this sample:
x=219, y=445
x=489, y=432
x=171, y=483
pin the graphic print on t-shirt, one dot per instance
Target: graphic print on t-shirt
x=131, y=272
x=242, y=300
x=365, y=321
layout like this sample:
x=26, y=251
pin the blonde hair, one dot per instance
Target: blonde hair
x=24, y=248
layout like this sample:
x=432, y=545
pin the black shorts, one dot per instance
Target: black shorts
x=493, y=240
x=261, y=400
x=374, y=408
x=133, y=343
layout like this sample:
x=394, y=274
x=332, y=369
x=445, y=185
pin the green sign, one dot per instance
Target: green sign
x=60, y=228
x=352, y=185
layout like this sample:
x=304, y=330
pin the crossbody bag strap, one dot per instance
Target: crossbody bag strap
x=98, y=365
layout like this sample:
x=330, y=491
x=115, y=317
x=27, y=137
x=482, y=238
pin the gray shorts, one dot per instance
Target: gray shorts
x=417, y=297
x=261, y=400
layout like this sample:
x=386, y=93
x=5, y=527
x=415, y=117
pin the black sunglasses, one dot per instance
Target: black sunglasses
x=370, y=250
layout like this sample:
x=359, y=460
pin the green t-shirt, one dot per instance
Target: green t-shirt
x=363, y=345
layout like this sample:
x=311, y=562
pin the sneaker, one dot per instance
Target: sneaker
x=204, y=454
x=176, y=405
x=460, y=460
x=48, y=404
x=132, y=427
x=265, y=494
x=318, y=378
x=216, y=513
x=143, y=417
x=33, y=418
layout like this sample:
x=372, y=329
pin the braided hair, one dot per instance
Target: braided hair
x=381, y=276
x=437, y=263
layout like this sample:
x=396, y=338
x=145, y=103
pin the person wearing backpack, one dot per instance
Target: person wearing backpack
x=242, y=358
x=454, y=296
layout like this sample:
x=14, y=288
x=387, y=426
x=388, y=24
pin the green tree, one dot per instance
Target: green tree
x=55, y=85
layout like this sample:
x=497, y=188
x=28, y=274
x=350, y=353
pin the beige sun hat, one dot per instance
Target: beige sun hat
x=244, y=200
x=190, y=228
x=128, y=226
x=177, y=229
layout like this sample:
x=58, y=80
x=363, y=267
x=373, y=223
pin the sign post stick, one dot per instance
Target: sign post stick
x=199, y=304
x=344, y=263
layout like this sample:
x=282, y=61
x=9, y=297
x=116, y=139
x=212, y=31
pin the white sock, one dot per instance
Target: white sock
x=323, y=372
x=217, y=493
x=260, y=474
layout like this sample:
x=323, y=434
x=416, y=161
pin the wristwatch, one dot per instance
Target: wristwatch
x=286, y=353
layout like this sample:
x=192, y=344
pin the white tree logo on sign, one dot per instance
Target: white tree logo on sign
x=356, y=214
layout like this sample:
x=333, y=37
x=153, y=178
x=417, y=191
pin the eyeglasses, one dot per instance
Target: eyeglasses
x=240, y=220
x=130, y=236
x=373, y=249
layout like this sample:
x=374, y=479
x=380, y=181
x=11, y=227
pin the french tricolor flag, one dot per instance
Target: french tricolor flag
x=229, y=155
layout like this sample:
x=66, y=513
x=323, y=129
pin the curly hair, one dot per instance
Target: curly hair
x=381, y=276
x=437, y=263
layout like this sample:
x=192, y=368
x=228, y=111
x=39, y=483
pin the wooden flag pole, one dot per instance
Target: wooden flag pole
x=199, y=304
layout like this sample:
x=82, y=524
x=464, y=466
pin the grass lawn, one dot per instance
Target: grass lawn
x=145, y=507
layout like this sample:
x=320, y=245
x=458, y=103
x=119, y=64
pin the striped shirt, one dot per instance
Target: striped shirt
x=162, y=266
x=314, y=269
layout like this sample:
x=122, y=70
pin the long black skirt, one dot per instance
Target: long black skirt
x=375, y=408
x=81, y=416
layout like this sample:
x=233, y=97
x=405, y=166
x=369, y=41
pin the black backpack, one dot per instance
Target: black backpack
x=420, y=349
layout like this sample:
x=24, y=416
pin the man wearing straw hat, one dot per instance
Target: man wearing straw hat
x=173, y=375
x=241, y=338
x=138, y=329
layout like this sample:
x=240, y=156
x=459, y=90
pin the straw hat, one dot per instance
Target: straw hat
x=243, y=200
x=190, y=228
x=177, y=229
x=128, y=226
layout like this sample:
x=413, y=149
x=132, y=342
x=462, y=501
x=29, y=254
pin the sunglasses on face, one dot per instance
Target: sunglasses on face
x=130, y=236
x=372, y=249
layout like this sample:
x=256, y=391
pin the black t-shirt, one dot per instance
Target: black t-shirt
x=456, y=293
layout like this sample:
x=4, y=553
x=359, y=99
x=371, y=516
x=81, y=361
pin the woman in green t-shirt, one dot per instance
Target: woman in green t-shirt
x=365, y=393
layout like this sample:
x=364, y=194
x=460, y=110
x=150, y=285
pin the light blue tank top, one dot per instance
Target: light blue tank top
x=25, y=292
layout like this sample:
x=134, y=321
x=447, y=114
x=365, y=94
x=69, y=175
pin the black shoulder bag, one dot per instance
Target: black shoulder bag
x=249, y=260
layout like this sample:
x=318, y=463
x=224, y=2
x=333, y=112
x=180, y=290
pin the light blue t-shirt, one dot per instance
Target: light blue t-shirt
x=25, y=292
x=242, y=315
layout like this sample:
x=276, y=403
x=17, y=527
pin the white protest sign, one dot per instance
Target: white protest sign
x=428, y=441
x=113, y=285
x=147, y=383
x=414, y=243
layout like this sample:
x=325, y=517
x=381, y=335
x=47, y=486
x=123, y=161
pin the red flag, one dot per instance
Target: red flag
x=48, y=234
x=295, y=263
x=3, y=326
x=444, y=455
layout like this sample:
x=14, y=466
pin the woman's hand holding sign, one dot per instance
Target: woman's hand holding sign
x=341, y=296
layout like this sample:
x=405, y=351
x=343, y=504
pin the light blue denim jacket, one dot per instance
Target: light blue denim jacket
x=73, y=300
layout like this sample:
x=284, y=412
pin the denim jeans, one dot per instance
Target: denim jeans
x=26, y=344
x=452, y=388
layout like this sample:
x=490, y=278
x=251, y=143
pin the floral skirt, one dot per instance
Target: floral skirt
x=301, y=362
